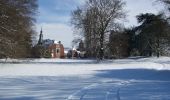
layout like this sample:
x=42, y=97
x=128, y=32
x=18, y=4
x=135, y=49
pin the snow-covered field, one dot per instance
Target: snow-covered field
x=64, y=79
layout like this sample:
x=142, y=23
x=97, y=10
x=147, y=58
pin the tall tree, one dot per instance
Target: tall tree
x=153, y=33
x=16, y=27
x=96, y=19
x=119, y=44
x=132, y=34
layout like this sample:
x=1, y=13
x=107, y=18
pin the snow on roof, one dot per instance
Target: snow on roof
x=56, y=42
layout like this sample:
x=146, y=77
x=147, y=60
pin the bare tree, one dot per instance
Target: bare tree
x=95, y=19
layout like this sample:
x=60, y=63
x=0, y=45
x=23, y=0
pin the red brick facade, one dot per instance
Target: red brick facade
x=57, y=51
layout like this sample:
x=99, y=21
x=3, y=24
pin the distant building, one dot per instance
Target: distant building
x=81, y=46
x=57, y=50
x=52, y=48
x=81, y=50
x=77, y=52
x=40, y=41
x=67, y=53
x=47, y=42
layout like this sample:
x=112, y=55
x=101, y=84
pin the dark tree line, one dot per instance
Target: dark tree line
x=17, y=19
x=151, y=37
x=104, y=37
x=118, y=44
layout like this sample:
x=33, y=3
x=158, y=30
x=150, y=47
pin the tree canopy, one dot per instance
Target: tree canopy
x=17, y=19
x=152, y=33
x=95, y=20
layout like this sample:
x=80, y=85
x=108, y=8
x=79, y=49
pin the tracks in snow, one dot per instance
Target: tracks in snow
x=100, y=91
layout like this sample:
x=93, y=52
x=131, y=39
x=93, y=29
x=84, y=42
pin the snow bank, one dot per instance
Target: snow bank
x=43, y=60
x=66, y=67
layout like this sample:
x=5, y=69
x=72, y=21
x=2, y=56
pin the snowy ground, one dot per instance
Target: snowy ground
x=57, y=79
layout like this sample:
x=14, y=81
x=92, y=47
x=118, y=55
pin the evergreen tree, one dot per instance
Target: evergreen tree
x=119, y=44
x=153, y=33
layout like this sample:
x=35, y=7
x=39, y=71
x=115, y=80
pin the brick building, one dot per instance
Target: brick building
x=56, y=50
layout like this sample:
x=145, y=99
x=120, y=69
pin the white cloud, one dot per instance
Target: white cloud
x=57, y=31
x=136, y=7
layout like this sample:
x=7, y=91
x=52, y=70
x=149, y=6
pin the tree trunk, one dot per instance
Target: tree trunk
x=158, y=48
x=101, y=52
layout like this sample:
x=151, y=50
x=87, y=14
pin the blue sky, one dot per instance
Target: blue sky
x=54, y=16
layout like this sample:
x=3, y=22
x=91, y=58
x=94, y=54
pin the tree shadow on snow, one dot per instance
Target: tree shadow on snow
x=136, y=74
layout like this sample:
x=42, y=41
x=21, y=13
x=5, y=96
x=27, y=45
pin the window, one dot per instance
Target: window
x=58, y=50
x=52, y=51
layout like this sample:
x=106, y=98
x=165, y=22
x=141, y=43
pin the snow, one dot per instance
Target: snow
x=67, y=67
x=71, y=79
